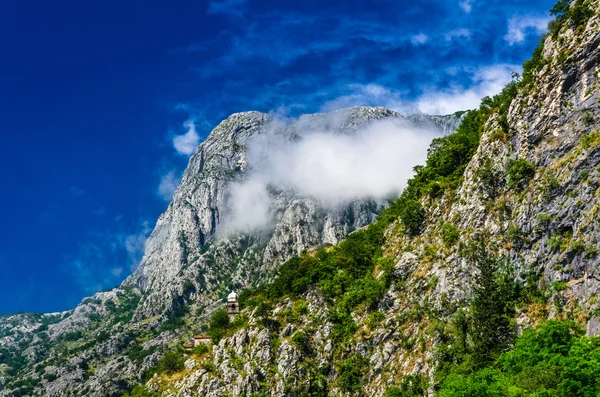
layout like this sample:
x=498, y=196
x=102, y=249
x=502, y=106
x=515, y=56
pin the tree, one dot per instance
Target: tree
x=492, y=308
x=219, y=324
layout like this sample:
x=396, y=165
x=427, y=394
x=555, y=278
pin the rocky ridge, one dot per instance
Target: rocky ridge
x=186, y=269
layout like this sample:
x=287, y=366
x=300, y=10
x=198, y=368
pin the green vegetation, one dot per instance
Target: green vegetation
x=555, y=359
x=300, y=340
x=200, y=349
x=219, y=324
x=412, y=215
x=411, y=386
x=487, y=177
x=141, y=391
x=170, y=363
x=591, y=140
x=449, y=234
x=477, y=337
x=351, y=372
x=520, y=171
x=574, y=14
x=492, y=308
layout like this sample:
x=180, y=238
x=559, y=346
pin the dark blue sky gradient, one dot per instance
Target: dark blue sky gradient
x=93, y=93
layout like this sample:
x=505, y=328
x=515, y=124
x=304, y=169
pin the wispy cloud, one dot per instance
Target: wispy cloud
x=485, y=81
x=168, y=184
x=466, y=5
x=519, y=26
x=227, y=7
x=75, y=191
x=135, y=244
x=185, y=144
x=457, y=34
x=104, y=259
x=337, y=56
x=419, y=39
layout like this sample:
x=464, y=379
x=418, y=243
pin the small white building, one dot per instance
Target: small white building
x=233, y=305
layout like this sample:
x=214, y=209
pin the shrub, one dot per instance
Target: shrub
x=411, y=386
x=555, y=243
x=520, y=171
x=543, y=220
x=300, y=340
x=486, y=175
x=219, y=324
x=141, y=391
x=591, y=140
x=170, y=363
x=574, y=15
x=587, y=118
x=413, y=217
x=200, y=349
x=515, y=235
x=50, y=377
x=548, y=186
x=351, y=373
x=449, y=234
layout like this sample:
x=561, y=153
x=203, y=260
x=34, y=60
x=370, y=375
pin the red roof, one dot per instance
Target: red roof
x=201, y=337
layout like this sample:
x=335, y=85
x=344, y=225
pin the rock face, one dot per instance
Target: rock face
x=187, y=266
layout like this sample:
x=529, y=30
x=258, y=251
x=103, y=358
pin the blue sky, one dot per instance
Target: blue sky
x=102, y=103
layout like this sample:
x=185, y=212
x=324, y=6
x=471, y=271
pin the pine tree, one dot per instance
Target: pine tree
x=492, y=308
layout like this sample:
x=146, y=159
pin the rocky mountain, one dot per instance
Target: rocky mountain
x=181, y=246
x=523, y=202
x=496, y=233
x=187, y=267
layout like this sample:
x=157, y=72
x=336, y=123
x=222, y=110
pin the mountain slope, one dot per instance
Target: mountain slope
x=186, y=268
x=527, y=201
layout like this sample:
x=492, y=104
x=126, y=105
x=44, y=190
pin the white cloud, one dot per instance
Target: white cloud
x=330, y=167
x=458, y=33
x=367, y=94
x=186, y=144
x=168, y=184
x=419, y=39
x=466, y=5
x=520, y=26
x=135, y=244
x=485, y=81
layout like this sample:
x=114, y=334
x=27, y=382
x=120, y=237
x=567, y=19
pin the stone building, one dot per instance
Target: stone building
x=233, y=306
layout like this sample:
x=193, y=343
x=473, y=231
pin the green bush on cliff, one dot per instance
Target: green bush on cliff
x=555, y=359
x=141, y=391
x=520, y=171
x=219, y=324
